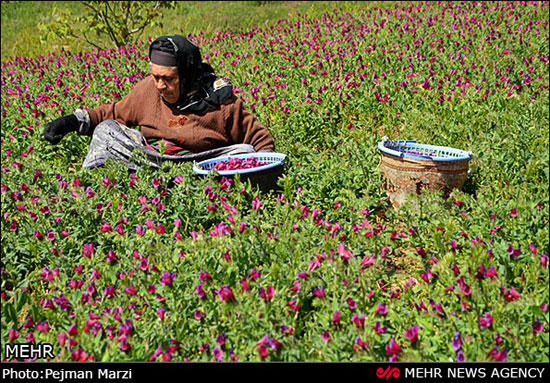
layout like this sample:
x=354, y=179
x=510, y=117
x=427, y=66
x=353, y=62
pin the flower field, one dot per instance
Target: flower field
x=171, y=266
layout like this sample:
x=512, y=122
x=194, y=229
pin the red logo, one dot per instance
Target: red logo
x=388, y=372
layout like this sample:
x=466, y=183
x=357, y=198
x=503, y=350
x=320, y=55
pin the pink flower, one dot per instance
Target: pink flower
x=111, y=256
x=486, y=321
x=167, y=278
x=336, y=318
x=88, y=250
x=217, y=353
x=514, y=212
x=105, y=227
x=325, y=335
x=140, y=230
x=360, y=344
x=511, y=295
x=359, y=321
x=537, y=327
x=198, y=315
x=319, y=292
x=13, y=334
x=382, y=309
x=392, y=348
x=226, y=294
x=379, y=329
x=161, y=311
x=499, y=356
x=267, y=293
x=62, y=338
x=411, y=333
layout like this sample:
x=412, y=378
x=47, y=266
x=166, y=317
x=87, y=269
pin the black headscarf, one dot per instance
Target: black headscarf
x=200, y=89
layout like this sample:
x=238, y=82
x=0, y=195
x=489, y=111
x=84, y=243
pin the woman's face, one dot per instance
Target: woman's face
x=167, y=82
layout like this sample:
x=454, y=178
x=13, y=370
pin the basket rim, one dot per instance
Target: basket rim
x=464, y=155
x=197, y=167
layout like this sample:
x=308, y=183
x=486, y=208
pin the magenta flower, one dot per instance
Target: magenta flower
x=225, y=294
x=537, y=327
x=161, y=311
x=486, y=321
x=378, y=328
x=105, y=227
x=511, y=295
x=72, y=330
x=344, y=253
x=198, y=314
x=392, y=348
x=360, y=344
x=456, y=343
x=111, y=256
x=411, y=333
x=367, y=260
x=13, y=334
x=514, y=212
x=200, y=291
x=50, y=235
x=325, y=335
x=358, y=320
x=351, y=303
x=460, y=356
x=319, y=292
x=267, y=293
x=544, y=260
x=167, y=278
x=499, y=356
x=217, y=353
x=336, y=318
x=256, y=203
x=382, y=309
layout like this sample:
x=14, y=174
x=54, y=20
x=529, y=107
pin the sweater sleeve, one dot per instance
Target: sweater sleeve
x=244, y=128
x=125, y=111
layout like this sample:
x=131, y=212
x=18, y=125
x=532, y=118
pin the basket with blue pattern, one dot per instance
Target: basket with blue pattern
x=265, y=176
x=409, y=167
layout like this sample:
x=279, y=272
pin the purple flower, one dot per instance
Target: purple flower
x=537, y=327
x=378, y=328
x=319, y=292
x=167, y=278
x=88, y=250
x=200, y=291
x=336, y=318
x=226, y=294
x=140, y=230
x=392, y=348
x=456, y=343
x=198, y=315
x=486, y=321
x=412, y=333
x=217, y=353
x=460, y=356
x=358, y=320
x=50, y=235
x=382, y=309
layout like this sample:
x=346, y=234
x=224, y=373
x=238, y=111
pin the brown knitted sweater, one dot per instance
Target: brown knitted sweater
x=230, y=124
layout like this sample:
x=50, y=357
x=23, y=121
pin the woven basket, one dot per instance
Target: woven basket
x=264, y=177
x=410, y=167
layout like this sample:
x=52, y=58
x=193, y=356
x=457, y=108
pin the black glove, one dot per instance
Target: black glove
x=57, y=129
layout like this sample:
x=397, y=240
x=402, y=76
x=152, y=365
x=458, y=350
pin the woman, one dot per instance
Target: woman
x=182, y=107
